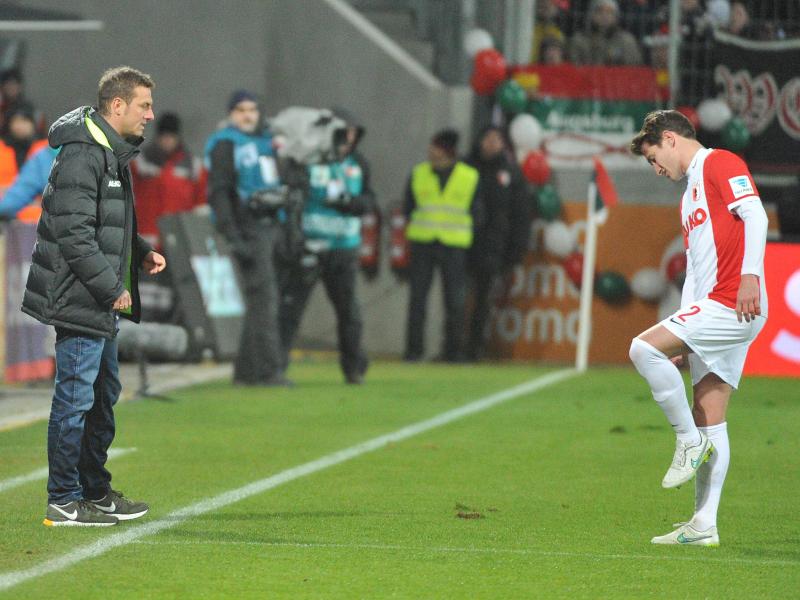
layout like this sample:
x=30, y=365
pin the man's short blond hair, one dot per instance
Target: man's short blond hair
x=120, y=82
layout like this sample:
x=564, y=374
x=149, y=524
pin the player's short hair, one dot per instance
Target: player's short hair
x=656, y=123
x=120, y=82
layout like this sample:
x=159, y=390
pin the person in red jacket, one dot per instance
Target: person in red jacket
x=166, y=177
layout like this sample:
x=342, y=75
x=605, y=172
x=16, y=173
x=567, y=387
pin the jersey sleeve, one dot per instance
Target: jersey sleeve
x=731, y=178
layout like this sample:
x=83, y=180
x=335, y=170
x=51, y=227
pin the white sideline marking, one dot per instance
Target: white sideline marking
x=694, y=558
x=115, y=540
x=11, y=483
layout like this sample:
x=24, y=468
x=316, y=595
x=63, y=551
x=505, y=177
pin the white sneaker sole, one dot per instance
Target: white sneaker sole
x=130, y=516
x=49, y=523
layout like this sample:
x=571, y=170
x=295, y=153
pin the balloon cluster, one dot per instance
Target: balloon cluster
x=490, y=77
x=715, y=116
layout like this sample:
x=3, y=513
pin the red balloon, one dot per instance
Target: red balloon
x=573, y=265
x=536, y=168
x=489, y=70
x=676, y=265
x=690, y=113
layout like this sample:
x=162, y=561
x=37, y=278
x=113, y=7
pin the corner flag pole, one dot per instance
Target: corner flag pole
x=587, y=281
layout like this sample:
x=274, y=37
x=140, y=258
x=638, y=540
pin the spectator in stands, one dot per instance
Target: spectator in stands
x=442, y=205
x=22, y=199
x=552, y=50
x=546, y=26
x=12, y=97
x=739, y=23
x=603, y=41
x=501, y=240
x=17, y=144
x=167, y=178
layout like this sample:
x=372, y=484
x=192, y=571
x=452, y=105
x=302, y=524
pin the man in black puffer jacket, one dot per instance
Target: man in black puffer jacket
x=83, y=277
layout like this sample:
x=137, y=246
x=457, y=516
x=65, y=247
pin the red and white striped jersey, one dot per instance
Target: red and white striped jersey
x=718, y=182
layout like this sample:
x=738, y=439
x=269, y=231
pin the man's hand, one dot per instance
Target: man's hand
x=154, y=263
x=748, y=300
x=123, y=302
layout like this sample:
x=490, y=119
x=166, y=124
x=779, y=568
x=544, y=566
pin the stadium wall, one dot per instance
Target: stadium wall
x=332, y=56
x=305, y=52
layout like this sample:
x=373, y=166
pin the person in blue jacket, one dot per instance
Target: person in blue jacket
x=243, y=184
x=338, y=192
x=29, y=183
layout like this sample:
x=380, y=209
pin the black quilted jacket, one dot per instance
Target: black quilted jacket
x=84, y=257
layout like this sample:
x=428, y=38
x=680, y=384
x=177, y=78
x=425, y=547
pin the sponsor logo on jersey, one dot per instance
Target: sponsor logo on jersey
x=741, y=186
x=698, y=217
x=114, y=183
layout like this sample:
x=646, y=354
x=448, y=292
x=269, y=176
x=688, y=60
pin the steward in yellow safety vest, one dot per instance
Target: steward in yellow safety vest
x=442, y=204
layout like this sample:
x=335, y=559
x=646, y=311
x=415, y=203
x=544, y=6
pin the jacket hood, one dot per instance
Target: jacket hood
x=352, y=121
x=85, y=125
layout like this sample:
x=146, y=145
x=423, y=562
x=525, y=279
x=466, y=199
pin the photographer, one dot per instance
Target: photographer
x=246, y=197
x=337, y=194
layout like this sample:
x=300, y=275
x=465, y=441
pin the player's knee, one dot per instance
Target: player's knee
x=641, y=353
x=638, y=351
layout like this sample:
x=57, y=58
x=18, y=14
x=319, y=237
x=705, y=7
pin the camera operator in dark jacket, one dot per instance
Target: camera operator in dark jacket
x=501, y=239
x=337, y=194
x=247, y=200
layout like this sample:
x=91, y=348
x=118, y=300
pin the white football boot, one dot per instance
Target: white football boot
x=686, y=460
x=687, y=535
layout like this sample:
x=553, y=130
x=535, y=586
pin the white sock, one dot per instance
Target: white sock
x=711, y=477
x=668, y=388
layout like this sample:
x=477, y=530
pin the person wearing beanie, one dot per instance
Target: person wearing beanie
x=168, y=179
x=442, y=206
x=244, y=192
x=604, y=41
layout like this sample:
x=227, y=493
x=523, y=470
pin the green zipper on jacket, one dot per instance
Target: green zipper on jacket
x=101, y=138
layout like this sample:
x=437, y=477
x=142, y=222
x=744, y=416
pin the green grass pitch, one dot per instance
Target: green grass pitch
x=553, y=494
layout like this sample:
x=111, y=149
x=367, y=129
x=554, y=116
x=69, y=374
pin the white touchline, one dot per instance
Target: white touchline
x=11, y=483
x=12, y=578
x=694, y=558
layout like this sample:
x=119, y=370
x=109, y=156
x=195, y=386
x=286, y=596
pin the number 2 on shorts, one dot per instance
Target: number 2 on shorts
x=693, y=310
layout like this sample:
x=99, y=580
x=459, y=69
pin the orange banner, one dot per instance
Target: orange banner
x=537, y=318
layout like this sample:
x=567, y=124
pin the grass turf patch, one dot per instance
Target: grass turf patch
x=563, y=485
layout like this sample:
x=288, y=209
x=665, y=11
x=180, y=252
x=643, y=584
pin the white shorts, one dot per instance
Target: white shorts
x=717, y=338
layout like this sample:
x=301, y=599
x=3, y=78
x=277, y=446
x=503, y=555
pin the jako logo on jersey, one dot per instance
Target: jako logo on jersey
x=741, y=186
x=698, y=217
x=114, y=183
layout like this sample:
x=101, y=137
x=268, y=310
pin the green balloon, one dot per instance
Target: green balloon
x=548, y=203
x=512, y=97
x=612, y=287
x=735, y=135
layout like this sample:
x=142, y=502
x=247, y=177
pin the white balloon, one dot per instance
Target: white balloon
x=649, y=285
x=719, y=12
x=477, y=40
x=714, y=113
x=559, y=239
x=525, y=132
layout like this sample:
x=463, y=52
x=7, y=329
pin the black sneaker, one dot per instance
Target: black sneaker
x=78, y=513
x=114, y=503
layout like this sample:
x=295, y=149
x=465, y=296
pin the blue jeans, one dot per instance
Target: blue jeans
x=81, y=426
